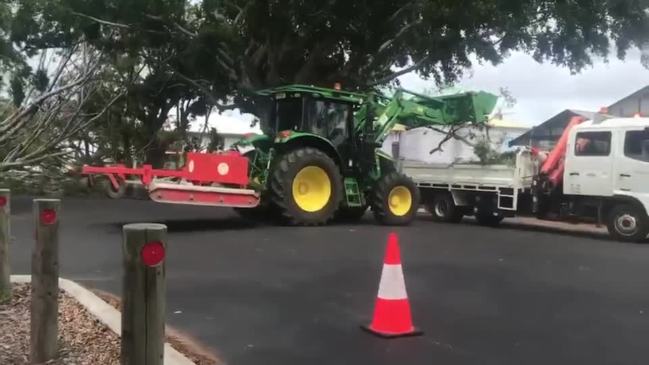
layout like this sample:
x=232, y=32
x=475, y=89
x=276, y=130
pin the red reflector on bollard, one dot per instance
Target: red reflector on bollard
x=48, y=216
x=152, y=253
x=3, y=201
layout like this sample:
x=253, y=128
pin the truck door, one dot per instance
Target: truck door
x=632, y=166
x=589, y=164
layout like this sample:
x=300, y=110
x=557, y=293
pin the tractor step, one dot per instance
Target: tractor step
x=352, y=193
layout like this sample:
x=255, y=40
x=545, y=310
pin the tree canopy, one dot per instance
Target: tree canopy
x=191, y=56
x=248, y=44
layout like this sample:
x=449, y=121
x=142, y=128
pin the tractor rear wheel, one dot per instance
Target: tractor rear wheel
x=395, y=199
x=306, y=187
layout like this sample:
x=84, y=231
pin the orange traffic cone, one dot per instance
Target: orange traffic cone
x=392, y=316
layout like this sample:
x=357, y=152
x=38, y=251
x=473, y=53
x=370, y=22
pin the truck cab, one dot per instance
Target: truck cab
x=608, y=161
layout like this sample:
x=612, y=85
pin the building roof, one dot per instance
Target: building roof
x=551, y=128
x=630, y=96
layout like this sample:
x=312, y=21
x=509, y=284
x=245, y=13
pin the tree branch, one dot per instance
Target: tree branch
x=450, y=134
x=399, y=34
x=101, y=21
x=206, y=92
x=404, y=71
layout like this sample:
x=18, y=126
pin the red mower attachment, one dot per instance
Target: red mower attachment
x=215, y=179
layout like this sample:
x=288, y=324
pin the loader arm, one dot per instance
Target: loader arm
x=414, y=110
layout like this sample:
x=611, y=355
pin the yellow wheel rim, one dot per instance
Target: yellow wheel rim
x=311, y=189
x=400, y=200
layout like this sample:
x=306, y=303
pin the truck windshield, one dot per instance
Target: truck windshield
x=636, y=145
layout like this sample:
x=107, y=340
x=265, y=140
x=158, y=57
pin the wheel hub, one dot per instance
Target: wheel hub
x=303, y=188
x=311, y=189
x=441, y=209
x=626, y=224
x=400, y=200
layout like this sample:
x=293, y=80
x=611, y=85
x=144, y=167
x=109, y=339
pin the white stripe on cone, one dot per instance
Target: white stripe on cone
x=392, y=285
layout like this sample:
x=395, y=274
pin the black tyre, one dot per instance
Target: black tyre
x=487, y=215
x=628, y=223
x=113, y=193
x=305, y=187
x=395, y=199
x=443, y=209
x=350, y=214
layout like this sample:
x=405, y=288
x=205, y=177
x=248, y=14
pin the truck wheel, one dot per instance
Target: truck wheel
x=395, y=199
x=113, y=193
x=487, y=215
x=350, y=214
x=306, y=187
x=628, y=223
x=443, y=209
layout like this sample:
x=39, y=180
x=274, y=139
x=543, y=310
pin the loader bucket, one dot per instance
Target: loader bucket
x=470, y=107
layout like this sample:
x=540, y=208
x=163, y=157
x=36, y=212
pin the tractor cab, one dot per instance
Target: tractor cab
x=326, y=113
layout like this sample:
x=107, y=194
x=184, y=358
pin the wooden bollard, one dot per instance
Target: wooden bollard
x=143, y=294
x=5, y=234
x=45, y=281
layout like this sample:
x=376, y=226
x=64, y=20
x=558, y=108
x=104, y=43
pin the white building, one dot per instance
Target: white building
x=232, y=126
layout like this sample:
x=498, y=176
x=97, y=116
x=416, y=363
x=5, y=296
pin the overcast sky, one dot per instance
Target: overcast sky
x=543, y=90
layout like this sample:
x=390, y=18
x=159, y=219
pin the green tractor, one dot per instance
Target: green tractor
x=319, y=157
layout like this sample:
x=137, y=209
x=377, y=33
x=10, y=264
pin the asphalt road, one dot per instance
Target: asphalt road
x=280, y=295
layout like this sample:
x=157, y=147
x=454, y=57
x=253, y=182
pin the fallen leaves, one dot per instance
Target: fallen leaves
x=82, y=339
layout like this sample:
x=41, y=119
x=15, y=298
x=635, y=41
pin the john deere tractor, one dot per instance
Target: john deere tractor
x=319, y=157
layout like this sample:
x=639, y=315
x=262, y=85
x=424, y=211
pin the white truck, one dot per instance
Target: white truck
x=598, y=172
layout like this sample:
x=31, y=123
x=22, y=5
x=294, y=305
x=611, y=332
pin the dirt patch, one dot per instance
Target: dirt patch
x=83, y=340
x=183, y=343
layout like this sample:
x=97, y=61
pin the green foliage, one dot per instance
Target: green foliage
x=17, y=90
x=487, y=155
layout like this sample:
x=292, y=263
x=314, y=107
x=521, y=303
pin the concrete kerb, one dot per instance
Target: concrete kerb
x=105, y=313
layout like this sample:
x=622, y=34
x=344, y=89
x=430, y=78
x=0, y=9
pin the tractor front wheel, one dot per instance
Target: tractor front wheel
x=306, y=187
x=395, y=200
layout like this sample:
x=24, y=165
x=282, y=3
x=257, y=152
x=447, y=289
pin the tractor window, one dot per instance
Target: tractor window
x=328, y=119
x=636, y=145
x=289, y=114
x=593, y=144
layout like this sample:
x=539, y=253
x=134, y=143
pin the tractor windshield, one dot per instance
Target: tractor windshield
x=327, y=118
